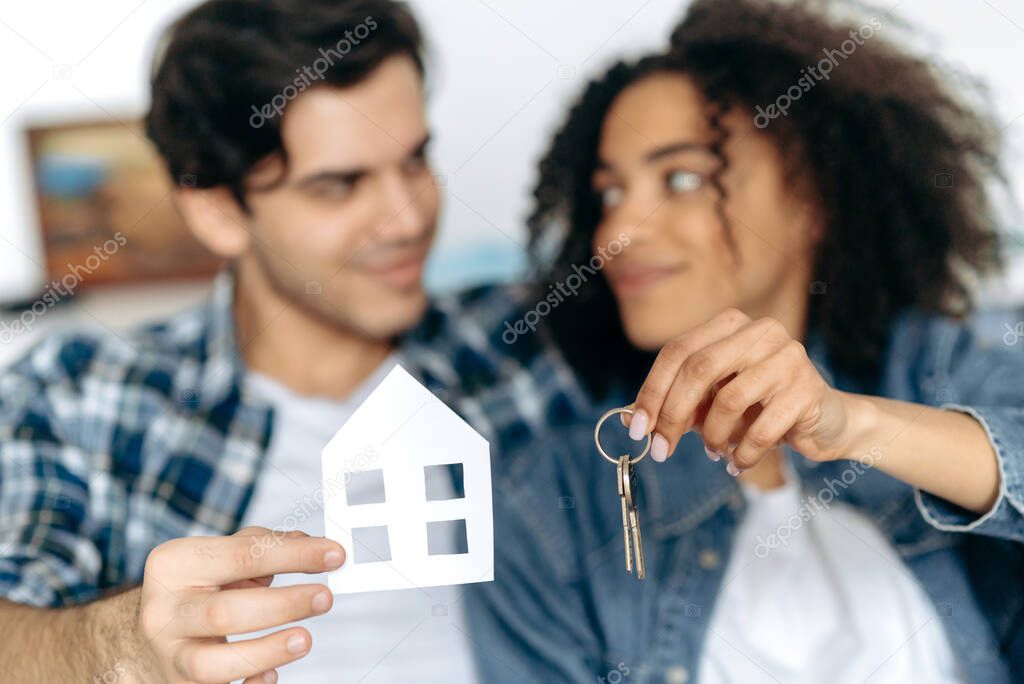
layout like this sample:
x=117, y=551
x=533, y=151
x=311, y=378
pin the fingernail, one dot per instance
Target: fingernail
x=713, y=455
x=638, y=428
x=332, y=558
x=321, y=602
x=296, y=644
x=732, y=469
x=270, y=677
x=659, y=448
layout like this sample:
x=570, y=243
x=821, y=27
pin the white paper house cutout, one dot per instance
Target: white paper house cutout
x=401, y=429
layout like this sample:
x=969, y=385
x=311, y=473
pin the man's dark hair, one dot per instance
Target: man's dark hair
x=890, y=150
x=228, y=68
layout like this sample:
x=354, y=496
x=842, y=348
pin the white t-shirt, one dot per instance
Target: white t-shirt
x=832, y=603
x=388, y=636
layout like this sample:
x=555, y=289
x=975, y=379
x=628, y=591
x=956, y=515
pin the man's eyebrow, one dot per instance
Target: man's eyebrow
x=341, y=175
x=354, y=174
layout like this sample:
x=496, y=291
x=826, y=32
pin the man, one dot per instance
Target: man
x=139, y=477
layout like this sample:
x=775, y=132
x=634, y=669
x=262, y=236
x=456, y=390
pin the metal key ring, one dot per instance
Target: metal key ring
x=597, y=437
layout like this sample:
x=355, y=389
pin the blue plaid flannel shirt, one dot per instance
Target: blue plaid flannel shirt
x=111, y=444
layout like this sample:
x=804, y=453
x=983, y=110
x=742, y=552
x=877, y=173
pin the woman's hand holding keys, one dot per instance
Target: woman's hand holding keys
x=746, y=386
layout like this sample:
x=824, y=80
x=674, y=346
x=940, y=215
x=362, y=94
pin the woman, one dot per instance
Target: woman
x=789, y=210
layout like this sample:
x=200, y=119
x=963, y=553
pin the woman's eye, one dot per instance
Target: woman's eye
x=683, y=181
x=610, y=197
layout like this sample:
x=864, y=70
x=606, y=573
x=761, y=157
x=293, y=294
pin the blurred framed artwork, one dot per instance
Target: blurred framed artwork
x=104, y=205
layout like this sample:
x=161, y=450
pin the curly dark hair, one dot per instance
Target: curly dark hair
x=226, y=69
x=899, y=162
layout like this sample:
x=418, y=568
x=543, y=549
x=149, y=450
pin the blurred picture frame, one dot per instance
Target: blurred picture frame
x=104, y=206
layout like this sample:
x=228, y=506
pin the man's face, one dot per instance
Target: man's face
x=345, y=232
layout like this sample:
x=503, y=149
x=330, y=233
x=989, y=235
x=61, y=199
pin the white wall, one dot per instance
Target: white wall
x=504, y=71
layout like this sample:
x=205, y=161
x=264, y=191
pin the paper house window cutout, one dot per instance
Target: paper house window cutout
x=370, y=544
x=366, y=487
x=447, y=537
x=415, y=441
x=435, y=477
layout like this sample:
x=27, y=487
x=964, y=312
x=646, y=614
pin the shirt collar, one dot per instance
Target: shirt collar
x=222, y=368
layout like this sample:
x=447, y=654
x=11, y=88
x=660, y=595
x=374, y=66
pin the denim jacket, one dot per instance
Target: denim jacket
x=562, y=607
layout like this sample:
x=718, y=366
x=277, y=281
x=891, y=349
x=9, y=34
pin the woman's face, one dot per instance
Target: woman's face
x=679, y=265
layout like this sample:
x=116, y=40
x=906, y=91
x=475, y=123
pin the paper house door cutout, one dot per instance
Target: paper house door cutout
x=401, y=430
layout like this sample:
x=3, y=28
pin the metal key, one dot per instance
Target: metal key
x=623, y=480
x=626, y=484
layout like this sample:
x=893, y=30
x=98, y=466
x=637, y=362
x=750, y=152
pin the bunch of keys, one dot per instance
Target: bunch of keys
x=625, y=477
